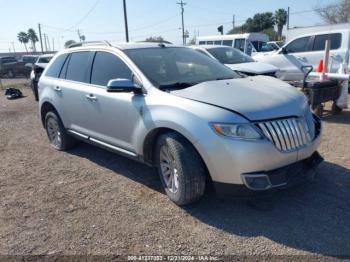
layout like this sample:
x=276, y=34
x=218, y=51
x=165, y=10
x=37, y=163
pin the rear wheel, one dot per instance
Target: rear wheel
x=181, y=169
x=56, y=132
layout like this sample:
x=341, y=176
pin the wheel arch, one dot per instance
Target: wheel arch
x=45, y=108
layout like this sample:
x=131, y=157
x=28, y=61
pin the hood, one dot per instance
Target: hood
x=256, y=98
x=253, y=68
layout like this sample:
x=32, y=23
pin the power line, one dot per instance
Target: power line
x=84, y=17
x=182, y=4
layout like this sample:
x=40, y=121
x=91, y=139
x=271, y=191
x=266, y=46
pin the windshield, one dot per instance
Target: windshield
x=229, y=55
x=178, y=67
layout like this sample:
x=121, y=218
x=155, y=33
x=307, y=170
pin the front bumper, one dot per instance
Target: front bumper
x=280, y=178
x=229, y=160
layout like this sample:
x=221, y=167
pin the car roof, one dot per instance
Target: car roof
x=210, y=46
x=120, y=46
x=46, y=55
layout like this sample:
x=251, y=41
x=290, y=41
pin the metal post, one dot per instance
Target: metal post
x=41, y=41
x=288, y=17
x=126, y=22
x=45, y=42
x=326, y=56
x=182, y=4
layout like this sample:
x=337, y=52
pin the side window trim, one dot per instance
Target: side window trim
x=63, y=66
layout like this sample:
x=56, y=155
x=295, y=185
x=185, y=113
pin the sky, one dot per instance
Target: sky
x=104, y=19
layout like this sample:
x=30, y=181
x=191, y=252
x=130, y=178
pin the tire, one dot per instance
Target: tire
x=35, y=90
x=58, y=137
x=183, y=174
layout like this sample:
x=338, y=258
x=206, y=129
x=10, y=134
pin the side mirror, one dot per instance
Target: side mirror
x=284, y=51
x=121, y=85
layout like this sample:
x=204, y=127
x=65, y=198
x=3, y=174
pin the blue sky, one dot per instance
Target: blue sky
x=103, y=19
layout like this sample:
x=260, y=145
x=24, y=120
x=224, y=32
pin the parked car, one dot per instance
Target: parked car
x=237, y=60
x=249, y=43
x=29, y=59
x=193, y=118
x=10, y=67
x=308, y=49
x=37, y=69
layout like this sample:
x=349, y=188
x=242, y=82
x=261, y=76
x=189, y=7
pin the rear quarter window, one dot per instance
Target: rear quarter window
x=320, y=41
x=55, y=67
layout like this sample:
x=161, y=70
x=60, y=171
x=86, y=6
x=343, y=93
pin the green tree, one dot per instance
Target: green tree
x=258, y=23
x=68, y=43
x=33, y=38
x=154, y=39
x=23, y=38
x=280, y=20
x=335, y=13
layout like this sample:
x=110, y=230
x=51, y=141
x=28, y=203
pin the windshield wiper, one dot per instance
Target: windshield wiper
x=224, y=78
x=175, y=86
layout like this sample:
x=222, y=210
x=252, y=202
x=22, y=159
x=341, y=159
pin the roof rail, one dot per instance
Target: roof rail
x=90, y=43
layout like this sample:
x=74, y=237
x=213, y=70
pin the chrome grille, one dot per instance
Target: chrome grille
x=287, y=134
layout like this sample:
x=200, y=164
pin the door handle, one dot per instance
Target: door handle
x=302, y=58
x=91, y=97
x=57, y=89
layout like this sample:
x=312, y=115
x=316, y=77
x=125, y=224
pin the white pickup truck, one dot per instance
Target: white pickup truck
x=308, y=49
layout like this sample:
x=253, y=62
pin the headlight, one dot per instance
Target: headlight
x=243, y=131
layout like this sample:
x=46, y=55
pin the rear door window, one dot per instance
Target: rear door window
x=239, y=44
x=78, y=67
x=55, y=68
x=299, y=45
x=320, y=41
x=108, y=66
x=227, y=42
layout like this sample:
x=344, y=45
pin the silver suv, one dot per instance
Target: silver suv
x=174, y=108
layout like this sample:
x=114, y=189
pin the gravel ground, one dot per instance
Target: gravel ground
x=89, y=201
x=13, y=81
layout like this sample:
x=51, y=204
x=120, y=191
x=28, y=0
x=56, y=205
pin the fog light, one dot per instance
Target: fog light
x=256, y=182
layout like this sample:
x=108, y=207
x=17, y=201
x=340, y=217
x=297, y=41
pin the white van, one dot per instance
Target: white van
x=249, y=43
x=308, y=49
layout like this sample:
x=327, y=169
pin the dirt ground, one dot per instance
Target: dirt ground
x=89, y=201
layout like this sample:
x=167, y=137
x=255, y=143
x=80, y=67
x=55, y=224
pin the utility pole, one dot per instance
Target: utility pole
x=13, y=46
x=182, y=4
x=79, y=35
x=53, y=44
x=288, y=17
x=45, y=42
x=41, y=40
x=233, y=22
x=48, y=42
x=126, y=22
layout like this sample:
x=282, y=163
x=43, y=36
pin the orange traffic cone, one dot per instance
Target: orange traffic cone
x=320, y=66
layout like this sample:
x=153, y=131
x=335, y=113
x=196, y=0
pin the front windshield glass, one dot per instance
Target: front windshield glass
x=178, y=67
x=228, y=55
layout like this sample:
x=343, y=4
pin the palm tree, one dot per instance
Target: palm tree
x=23, y=38
x=33, y=38
x=281, y=20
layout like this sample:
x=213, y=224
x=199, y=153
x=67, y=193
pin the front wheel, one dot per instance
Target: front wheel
x=181, y=169
x=56, y=132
